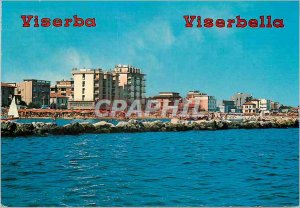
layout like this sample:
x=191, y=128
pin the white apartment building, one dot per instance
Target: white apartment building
x=91, y=85
x=264, y=105
x=250, y=107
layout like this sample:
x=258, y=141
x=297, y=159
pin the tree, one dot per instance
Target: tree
x=285, y=107
x=53, y=106
x=34, y=105
x=22, y=103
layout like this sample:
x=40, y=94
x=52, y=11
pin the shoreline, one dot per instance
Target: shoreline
x=94, y=118
x=69, y=114
x=12, y=129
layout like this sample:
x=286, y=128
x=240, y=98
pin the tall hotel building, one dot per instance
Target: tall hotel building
x=132, y=82
x=34, y=91
x=91, y=85
x=64, y=88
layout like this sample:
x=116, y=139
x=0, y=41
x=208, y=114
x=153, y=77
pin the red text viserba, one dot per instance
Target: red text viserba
x=35, y=21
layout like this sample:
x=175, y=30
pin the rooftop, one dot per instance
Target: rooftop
x=89, y=71
x=196, y=92
x=57, y=82
x=36, y=80
x=57, y=95
x=167, y=95
x=7, y=85
x=249, y=103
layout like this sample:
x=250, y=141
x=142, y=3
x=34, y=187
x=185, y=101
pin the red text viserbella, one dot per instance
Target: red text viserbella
x=238, y=22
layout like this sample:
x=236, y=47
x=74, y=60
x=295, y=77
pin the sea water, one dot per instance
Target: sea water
x=194, y=168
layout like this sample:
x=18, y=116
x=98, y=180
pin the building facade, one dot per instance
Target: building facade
x=212, y=103
x=7, y=94
x=274, y=106
x=264, y=105
x=58, y=101
x=34, y=91
x=239, y=99
x=167, y=97
x=91, y=85
x=227, y=106
x=198, y=97
x=64, y=88
x=251, y=107
x=132, y=82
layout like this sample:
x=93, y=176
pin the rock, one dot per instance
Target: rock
x=251, y=125
x=42, y=129
x=136, y=124
x=130, y=126
x=121, y=123
x=84, y=123
x=24, y=130
x=103, y=127
x=56, y=130
x=74, y=128
x=88, y=127
x=103, y=124
x=177, y=127
x=38, y=124
x=194, y=125
x=8, y=128
x=234, y=125
x=219, y=124
x=206, y=125
x=153, y=126
x=265, y=124
x=296, y=124
x=174, y=120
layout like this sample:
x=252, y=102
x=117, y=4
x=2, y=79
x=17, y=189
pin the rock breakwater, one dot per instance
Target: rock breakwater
x=12, y=129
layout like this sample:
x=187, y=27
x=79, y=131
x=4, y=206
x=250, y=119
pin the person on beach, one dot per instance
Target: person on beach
x=54, y=118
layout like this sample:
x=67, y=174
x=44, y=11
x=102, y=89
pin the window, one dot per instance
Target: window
x=83, y=97
x=83, y=76
x=83, y=90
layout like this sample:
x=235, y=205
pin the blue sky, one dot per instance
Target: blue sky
x=152, y=36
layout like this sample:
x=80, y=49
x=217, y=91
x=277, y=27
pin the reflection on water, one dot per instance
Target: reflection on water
x=196, y=168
